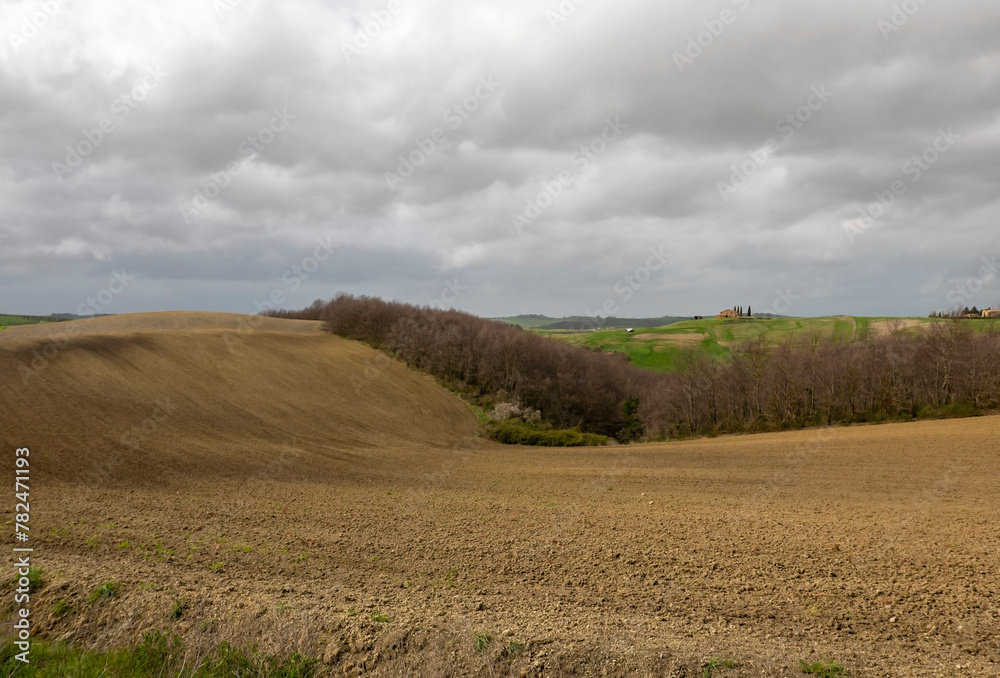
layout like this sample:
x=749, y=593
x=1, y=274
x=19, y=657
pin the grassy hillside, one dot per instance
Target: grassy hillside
x=11, y=320
x=660, y=348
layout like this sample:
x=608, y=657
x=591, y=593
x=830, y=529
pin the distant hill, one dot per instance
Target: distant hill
x=582, y=322
x=529, y=321
x=9, y=320
x=660, y=348
x=74, y=316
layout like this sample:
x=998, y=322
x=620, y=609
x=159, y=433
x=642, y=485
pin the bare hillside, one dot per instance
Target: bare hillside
x=209, y=393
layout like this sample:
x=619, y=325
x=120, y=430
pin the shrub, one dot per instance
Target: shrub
x=485, y=360
x=632, y=430
x=517, y=432
x=514, y=410
x=945, y=370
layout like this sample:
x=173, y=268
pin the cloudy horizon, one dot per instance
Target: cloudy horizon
x=564, y=158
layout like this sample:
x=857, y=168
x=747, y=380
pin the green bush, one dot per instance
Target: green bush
x=632, y=430
x=517, y=432
x=958, y=410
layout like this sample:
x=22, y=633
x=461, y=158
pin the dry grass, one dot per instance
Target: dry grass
x=881, y=327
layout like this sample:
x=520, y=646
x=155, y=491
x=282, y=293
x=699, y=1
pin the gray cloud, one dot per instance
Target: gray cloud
x=481, y=155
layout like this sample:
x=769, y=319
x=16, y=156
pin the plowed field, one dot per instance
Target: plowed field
x=256, y=480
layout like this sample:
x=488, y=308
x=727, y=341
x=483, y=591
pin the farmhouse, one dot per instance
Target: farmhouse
x=728, y=313
x=991, y=313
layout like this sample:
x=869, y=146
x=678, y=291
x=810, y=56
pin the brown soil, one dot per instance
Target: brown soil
x=289, y=490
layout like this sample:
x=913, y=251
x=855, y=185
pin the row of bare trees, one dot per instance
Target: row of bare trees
x=947, y=369
x=568, y=385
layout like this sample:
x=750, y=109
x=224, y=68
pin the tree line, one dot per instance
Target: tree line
x=946, y=369
x=959, y=312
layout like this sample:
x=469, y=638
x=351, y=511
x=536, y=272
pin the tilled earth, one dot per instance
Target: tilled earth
x=875, y=547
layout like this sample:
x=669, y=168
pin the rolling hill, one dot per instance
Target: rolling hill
x=256, y=482
x=164, y=394
x=660, y=348
x=8, y=320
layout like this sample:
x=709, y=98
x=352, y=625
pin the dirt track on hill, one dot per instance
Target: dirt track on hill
x=292, y=488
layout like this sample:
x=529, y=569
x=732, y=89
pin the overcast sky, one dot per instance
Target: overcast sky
x=642, y=158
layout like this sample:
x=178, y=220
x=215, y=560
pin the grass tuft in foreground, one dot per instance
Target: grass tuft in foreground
x=156, y=655
x=105, y=591
x=823, y=669
x=713, y=665
x=483, y=641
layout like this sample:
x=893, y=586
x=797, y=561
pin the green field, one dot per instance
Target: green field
x=11, y=320
x=661, y=348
